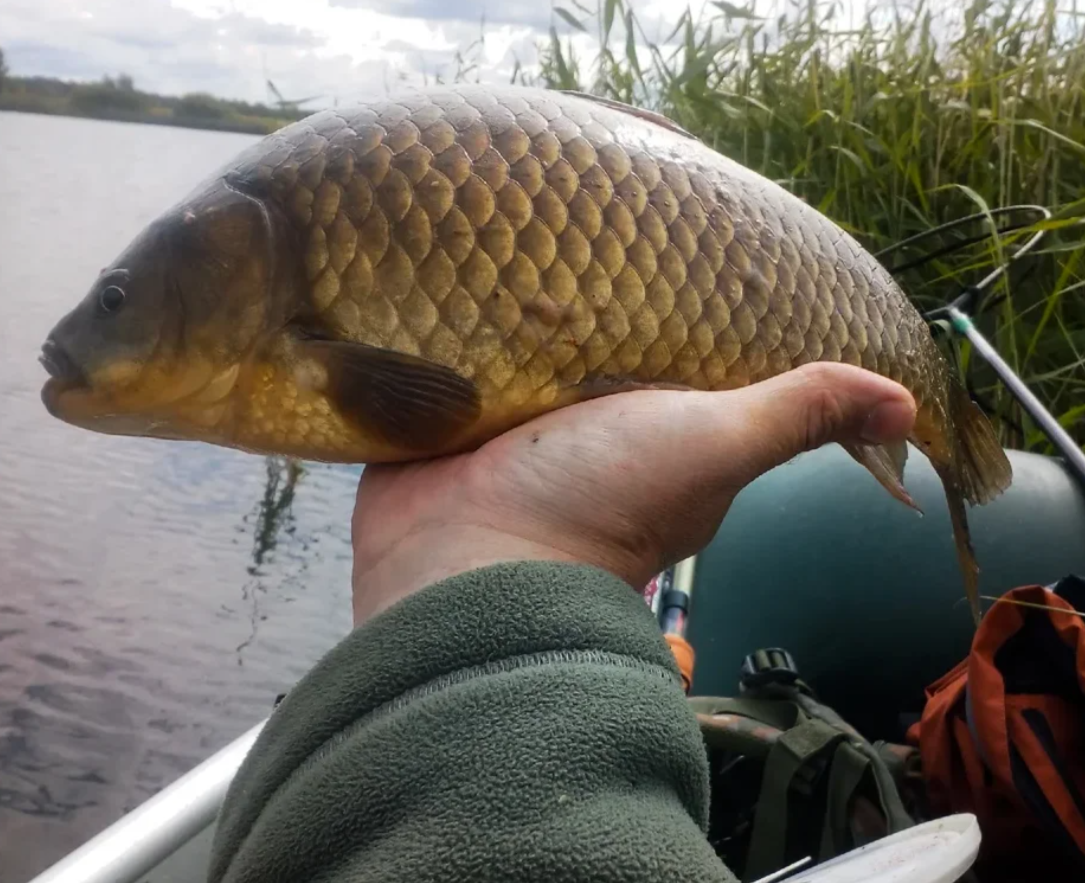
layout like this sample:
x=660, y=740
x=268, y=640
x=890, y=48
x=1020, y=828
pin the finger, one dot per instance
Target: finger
x=777, y=419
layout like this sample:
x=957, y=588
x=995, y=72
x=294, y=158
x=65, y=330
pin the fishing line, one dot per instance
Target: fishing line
x=970, y=294
x=958, y=316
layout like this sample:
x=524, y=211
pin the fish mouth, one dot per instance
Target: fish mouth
x=62, y=369
x=65, y=379
x=70, y=396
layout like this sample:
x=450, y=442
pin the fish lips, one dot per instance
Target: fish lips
x=60, y=365
x=69, y=396
x=64, y=374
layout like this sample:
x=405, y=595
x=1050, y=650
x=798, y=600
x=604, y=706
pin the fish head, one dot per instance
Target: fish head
x=155, y=345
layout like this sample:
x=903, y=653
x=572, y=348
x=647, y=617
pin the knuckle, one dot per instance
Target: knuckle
x=824, y=414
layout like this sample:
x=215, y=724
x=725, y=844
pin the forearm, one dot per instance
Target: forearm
x=519, y=722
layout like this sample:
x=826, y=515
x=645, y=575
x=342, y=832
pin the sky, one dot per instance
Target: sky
x=330, y=50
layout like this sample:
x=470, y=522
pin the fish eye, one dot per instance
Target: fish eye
x=111, y=299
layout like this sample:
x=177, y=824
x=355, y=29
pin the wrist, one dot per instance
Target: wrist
x=424, y=557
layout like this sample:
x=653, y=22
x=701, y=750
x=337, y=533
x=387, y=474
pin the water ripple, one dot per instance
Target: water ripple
x=154, y=596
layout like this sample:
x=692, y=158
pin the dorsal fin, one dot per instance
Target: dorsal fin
x=649, y=115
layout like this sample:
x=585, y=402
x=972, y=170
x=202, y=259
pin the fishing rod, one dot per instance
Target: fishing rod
x=958, y=314
x=669, y=594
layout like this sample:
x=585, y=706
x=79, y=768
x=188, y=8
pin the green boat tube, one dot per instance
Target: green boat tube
x=816, y=558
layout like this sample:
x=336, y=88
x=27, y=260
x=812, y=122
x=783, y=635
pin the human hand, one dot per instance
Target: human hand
x=632, y=482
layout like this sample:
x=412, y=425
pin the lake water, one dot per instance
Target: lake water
x=154, y=596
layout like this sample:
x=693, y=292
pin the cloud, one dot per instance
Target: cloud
x=529, y=13
x=335, y=49
x=168, y=49
x=263, y=33
x=29, y=58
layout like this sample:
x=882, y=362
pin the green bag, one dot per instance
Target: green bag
x=790, y=778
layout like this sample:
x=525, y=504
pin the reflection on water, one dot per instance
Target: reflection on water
x=155, y=596
x=273, y=516
x=273, y=511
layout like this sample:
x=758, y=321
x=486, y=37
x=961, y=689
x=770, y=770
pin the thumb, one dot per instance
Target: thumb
x=811, y=406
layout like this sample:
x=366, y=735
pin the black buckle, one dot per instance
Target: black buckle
x=772, y=665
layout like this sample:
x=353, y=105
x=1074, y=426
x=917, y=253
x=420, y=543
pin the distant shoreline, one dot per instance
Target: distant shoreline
x=243, y=126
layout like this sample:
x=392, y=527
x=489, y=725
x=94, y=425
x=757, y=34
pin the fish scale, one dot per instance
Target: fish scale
x=479, y=203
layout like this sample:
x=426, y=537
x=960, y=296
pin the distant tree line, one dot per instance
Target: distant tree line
x=117, y=98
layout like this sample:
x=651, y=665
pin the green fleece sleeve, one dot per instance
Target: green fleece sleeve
x=517, y=723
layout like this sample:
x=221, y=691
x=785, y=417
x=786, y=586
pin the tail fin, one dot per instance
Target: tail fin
x=962, y=539
x=983, y=467
x=980, y=472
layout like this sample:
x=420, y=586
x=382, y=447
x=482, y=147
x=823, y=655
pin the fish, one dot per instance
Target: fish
x=413, y=275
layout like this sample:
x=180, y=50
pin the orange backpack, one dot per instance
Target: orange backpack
x=1002, y=735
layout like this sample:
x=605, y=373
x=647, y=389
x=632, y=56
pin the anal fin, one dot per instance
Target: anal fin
x=885, y=463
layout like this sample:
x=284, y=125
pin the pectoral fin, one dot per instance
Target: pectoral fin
x=406, y=401
x=885, y=463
